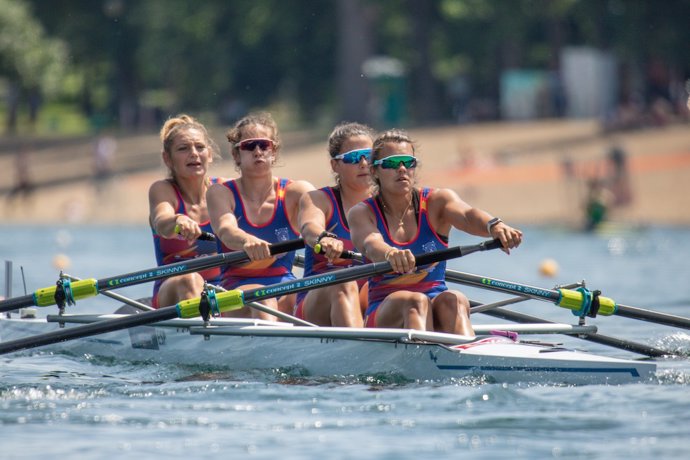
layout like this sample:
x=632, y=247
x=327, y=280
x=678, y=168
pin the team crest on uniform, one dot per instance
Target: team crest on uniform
x=282, y=234
x=429, y=247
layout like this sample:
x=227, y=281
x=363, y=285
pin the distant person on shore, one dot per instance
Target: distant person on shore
x=402, y=220
x=617, y=178
x=597, y=204
x=256, y=210
x=104, y=151
x=177, y=206
x=323, y=220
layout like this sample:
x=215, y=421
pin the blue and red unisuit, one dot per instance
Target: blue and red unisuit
x=315, y=264
x=171, y=250
x=276, y=269
x=428, y=279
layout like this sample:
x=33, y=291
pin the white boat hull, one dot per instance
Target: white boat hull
x=251, y=345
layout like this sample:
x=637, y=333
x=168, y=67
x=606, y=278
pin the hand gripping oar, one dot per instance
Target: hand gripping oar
x=235, y=299
x=71, y=291
x=581, y=301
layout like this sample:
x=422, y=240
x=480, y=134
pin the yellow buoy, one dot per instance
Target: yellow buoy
x=61, y=262
x=548, y=268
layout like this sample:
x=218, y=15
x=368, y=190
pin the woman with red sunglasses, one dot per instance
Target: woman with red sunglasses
x=324, y=225
x=178, y=212
x=256, y=210
x=401, y=220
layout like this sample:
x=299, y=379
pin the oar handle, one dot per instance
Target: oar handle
x=205, y=236
x=457, y=251
x=343, y=255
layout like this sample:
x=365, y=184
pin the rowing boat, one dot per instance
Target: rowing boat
x=178, y=334
x=238, y=344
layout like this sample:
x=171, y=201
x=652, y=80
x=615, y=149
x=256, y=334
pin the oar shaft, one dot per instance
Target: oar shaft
x=190, y=266
x=557, y=298
x=653, y=316
x=503, y=286
x=88, y=288
x=354, y=273
x=88, y=330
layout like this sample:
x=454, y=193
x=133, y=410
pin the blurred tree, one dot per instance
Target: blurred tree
x=229, y=56
x=32, y=63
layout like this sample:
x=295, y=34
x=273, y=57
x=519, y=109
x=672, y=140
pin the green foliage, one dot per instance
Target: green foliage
x=202, y=56
x=26, y=54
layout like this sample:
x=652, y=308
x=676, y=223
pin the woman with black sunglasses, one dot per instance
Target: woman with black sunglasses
x=401, y=220
x=256, y=210
x=324, y=226
x=178, y=212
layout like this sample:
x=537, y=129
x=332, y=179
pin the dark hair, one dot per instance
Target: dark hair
x=344, y=131
x=396, y=136
x=234, y=134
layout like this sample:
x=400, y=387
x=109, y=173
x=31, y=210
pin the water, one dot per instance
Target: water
x=60, y=405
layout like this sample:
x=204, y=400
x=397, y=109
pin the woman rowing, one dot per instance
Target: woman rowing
x=323, y=222
x=178, y=215
x=255, y=210
x=400, y=221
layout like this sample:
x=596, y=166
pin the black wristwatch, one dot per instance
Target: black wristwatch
x=491, y=223
x=325, y=234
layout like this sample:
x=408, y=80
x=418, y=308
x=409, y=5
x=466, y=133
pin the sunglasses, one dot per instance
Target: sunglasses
x=251, y=144
x=394, y=162
x=353, y=157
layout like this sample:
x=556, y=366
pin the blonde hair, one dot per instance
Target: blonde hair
x=183, y=122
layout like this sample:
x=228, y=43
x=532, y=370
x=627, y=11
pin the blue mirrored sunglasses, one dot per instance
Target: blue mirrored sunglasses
x=394, y=162
x=354, y=156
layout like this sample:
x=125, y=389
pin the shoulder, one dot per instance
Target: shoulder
x=442, y=196
x=219, y=188
x=299, y=187
x=162, y=189
x=360, y=210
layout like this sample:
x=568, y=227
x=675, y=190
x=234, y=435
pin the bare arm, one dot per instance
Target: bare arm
x=293, y=194
x=447, y=209
x=314, y=207
x=369, y=241
x=221, y=207
x=162, y=216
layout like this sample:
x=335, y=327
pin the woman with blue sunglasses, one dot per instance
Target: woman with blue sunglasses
x=323, y=224
x=401, y=220
x=255, y=210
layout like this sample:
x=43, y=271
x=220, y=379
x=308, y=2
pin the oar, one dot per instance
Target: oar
x=91, y=287
x=235, y=299
x=590, y=337
x=581, y=301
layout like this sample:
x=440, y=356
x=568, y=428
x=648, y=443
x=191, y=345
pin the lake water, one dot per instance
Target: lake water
x=55, y=406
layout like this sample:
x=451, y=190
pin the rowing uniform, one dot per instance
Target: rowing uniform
x=276, y=269
x=428, y=279
x=315, y=264
x=171, y=250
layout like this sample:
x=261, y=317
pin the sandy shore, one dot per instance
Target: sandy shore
x=513, y=170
